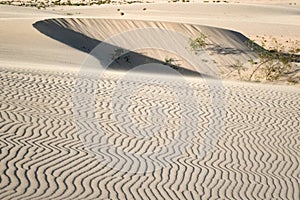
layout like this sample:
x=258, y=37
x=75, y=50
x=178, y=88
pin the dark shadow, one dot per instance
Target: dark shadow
x=217, y=49
x=293, y=57
x=54, y=29
x=293, y=72
x=257, y=48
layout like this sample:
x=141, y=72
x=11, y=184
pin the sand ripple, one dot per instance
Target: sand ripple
x=43, y=155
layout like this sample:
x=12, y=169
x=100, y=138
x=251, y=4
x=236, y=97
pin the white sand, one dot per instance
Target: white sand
x=49, y=152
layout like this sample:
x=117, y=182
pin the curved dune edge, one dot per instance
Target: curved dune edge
x=43, y=154
x=224, y=46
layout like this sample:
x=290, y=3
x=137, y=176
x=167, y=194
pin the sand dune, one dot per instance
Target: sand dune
x=224, y=46
x=145, y=136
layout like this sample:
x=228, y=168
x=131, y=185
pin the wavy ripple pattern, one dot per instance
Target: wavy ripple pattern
x=43, y=156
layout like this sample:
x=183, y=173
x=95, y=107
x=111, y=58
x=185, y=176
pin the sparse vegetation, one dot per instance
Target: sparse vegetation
x=239, y=67
x=127, y=58
x=44, y=4
x=117, y=54
x=293, y=80
x=272, y=63
x=171, y=62
x=198, y=43
x=57, y=2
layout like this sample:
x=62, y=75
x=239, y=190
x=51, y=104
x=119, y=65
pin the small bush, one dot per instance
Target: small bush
x=273, y=63
x=56, y=3
x=169, y=61
x=239, y=67
x=117, y=54
x=293, y=80
x=198, y=43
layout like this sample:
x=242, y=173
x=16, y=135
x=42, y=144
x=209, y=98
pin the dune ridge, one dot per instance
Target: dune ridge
x=46, y=152
x=224, y=46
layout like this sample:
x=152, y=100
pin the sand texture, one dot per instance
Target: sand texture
x=67, y=133
x=43, y=155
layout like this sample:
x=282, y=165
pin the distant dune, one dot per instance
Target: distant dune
x=85, y=34
x=182, y=134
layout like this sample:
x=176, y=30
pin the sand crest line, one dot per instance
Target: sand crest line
x=42, y=155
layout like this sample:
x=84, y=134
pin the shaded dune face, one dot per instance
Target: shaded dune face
x=46, y=155
x=223, y=47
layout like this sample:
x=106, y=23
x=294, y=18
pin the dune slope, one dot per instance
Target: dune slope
x=223, y=46
x=233, y=140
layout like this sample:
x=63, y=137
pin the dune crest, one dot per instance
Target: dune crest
x=224, y=46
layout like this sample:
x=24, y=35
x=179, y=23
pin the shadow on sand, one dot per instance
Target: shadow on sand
x=53, y=29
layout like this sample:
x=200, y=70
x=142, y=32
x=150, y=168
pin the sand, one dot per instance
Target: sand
x=65, y=135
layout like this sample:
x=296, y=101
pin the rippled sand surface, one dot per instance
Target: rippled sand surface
x=44, y=156
x=145, y=136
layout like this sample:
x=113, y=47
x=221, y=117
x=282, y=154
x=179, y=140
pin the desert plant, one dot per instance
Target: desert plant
x=293, y=80
x=117, y=54
x=239, y=67
x=127, y=59
x=170, y=62
x=198, y=43
x=272, y=62
x=56, y=3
